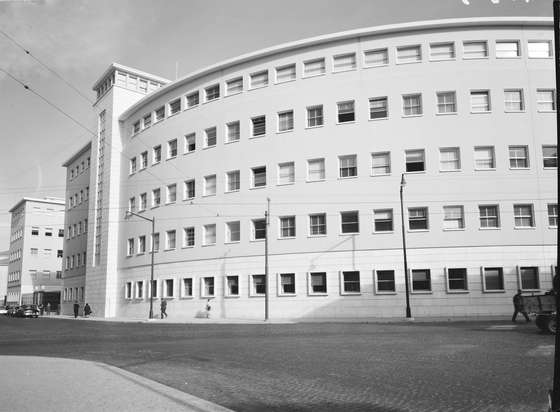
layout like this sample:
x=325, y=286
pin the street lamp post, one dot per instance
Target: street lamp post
x=408, y=313
x=266, y=297
x=153, y=220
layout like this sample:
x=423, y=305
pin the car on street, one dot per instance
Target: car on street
x=27, y=311
x=3, y=310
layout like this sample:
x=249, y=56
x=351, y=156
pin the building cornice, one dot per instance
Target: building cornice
x=51, y=200
x=77, y=154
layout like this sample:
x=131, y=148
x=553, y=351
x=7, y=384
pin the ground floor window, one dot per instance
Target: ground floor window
x=208, y=287
x=127, y=290
x=168, y=288
x=287, y=283
x=258, y=285
x=421, y=280
x=493, y=279
x=351, y=281
x=317, y=283
x=457, y=279
x=529, y=278
x=139, y=289
x=187, y=287
x=232, y=286
x=385, y=281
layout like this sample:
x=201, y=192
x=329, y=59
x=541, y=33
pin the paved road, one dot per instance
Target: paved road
x=466, y=366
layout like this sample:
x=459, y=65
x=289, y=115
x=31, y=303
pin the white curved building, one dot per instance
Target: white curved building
x=324, y=128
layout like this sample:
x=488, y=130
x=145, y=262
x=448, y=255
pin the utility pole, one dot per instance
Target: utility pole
x=266, y=223
x=408, y=312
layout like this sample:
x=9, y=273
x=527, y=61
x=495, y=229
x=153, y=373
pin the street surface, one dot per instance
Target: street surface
x=450, y=366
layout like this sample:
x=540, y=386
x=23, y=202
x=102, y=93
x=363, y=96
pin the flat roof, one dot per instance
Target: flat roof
x=131, y=70
x=77, y=154
x=49, y=200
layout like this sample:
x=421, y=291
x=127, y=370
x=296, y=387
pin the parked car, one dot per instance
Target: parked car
x=27, y=311
x=3, y=310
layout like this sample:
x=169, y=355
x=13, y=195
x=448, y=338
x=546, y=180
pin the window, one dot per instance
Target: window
x=412, y=104
x=383, y=220
x=232, y=181
x=188, y=237
x=259, y=176
x=155, y=242
x=287, y=226
x=475, y=50
x=421, y=280
x=210, y=139
x=34, y=251
x=552, y=215
x=187, y=291
x=484, y=157
x=286, y=121
x=539, y=49
x=127, y=290
x=35, y=231
x=409, y=54
x=61, y=231
x=449, y=159
x=351, y=281
x=378, y=108
x=523, y=216
x=233, y=231
x=259, y=284
x=192, y=99
x=159, y=114
x=518, y=157
x=234, y=86
x=259, y=229
x=375, y=58
x=135, y=130
x=344, y=62
x=210, y=185
x=529, y=278
x=446, y=102
x=141, y=244
x=172, y=149
x=348, y=166
x=514, y=100
x=208, y=286
x=147, y=120
x=259, y=79
x=189, y=189
x=493, y=279
x=442, y=51
x=143, y=160
x=318, y=224
x=507, y=49
x=546, y=100
x=212, y=92
x=286, y=173
x=453, y=217
x=418, y=218
x=457, y=279
x=233, y=132
x=550, y=156
x=139, y=289
x=168, y=288
x=190, y=143
x=317, y=283
x=232, y=286
x=346, y=111
x=489, y=216
x=380, y=163
x=174, y=107
x=59, y=253
x=130, y=247
x=143, y=201
x=132, y=165
x=315, y=116
x=131, y=205
x=480, y=101
x=287, y=284
x=385, y=281
x=415, y=160
x=171, y=193
x=156, y=197
x=170, y=239
x=285, y=73
x=350, y=222
x=156, y=154
x=259, y=125
x=209, y=235
x=154, y=288
x=315, y=170
x=314, y=67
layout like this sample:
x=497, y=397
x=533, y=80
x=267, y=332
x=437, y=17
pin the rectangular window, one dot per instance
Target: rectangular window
x=385, y=281
x=552, y=215
x=188, y=237
x=212, y=92
x=523, y=216
x=259, y=176
x=143, y=201
x=442, y=51
x=35, y=231
x=127, y=290
x=314, y=67
x=129, y=249
x=209, y=185
x=484, y=157
x=415, y=160
x=449, y=159
x=232, y=285
x=259, y=284
x=233, y=132
x=159, y=114
x=418, y=218
x=141, y=244
x=529, y=278
x=539, y=49
x=233, y=181
x=380, y=163
x=156, y=197
x=287, y=283
x=475, y=50
x=287, y=226
x=131, y=206
x=209, y=234
x=518, y=157
x=174, y=107
x=480, y=101
x=233, y=231
x=168, y=288
x=193, y=99
x=190, y=142
x=317, y=282
x=412, y=104
x=346, y=111
x=286, y=121
x=259, y=79
x=208, y=286
x=259, y=125
x=514, y=100
x=286, y=173
x=493, y=279
x=61, y=231
x=409, y=54
x=348, y=166
x=259, y=229
x=190, y=189
x=378, y=108
x=375, y=58
x=489, y=216
x=315, y=116
x=171, y=193
x=153, y=288
x=156, y=154
x=143, y=160
x=350, y=222
x=421, y=280
x=234, y=86
x=187, y=287
x=546, y=100
x=155, y=242
x=210, y=135
x=344, y=62
x=147, y=120
x=135, y=130
x=351, y=281
x=59, y=253
x=550, y=156
x=453, y=217
x=507, y=49
x=383, y=220
x=446, y=102
x=172, y=149
x=318, y=224
x=170, y=239
x=132, y=165
x=315, y=170
x=285, y=73
x=457, y=279
x=139, y=289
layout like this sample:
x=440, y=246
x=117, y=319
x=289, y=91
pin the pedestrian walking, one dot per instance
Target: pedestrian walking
x=163, y=308
x=208, y=308
x=87, y=310
x=49, y=309
x=519, y=307
x=41, y=309
x=76, y=309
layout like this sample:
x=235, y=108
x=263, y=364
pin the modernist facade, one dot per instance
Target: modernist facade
x=325, y=128
x=35, y=254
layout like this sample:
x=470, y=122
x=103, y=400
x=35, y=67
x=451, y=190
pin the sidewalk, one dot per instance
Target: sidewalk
x=56, y=384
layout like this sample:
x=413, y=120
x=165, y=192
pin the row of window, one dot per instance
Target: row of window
x=457, y=280
x=78, y=197
x=80, y=168
x=75, y=261
x=46, y=252
x=340, y=63
x=14, y=276
x=383, y=222
x=77, y=229
x=72, y=294
x=15, y=255
x=48, y=231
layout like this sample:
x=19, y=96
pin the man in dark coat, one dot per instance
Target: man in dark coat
x=163, y=308
x=519, y=307
x=87, y=310
x=76, y=309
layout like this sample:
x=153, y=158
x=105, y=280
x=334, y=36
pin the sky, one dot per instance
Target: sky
x=79, y=39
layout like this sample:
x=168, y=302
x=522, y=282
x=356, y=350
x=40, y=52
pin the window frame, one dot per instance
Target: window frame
x=324, y=173
x=310, y=291
x=537, y=41
x=384, y=99
x=234, y=137
x=206, y=231
x=210, y=134
x=406, y=161
x=206, y=188
x=229, y=232
x=347, y=283
x=280, y=284
x=377, y=282
x=253, y=177
x=187, y=192
x=483, y=271
x=229, y=181
x=550, y=215
x=524, y=159
x=442, y=162
x=552, y=93
x=207, y=287
x=322, y=226
x=478, y=92
x=429, y=280
x=493, y=158
x=234, y=81
x=548, y=158
x=443, y=43
x=183, y=295
x=291, y=227
x=411, y=107
x=426, y=218
x=291, y=176
x=385, y=60
x=488, y=217
x=309, y=119
x=522, y=216
x=305, y=72
x=210, y=93
x=354, y=222
x=505, y=41
x=189, y=241
x=253, y=76
x=284, y=67
x=460, y=220
x=289, y=126
x=448, y=280
x=340, y=69
x=375, y=220
x=190, y=141
x=227, y=287
x=519, y=270
x=521, y=108
x=350, y=168
x=400, y=49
